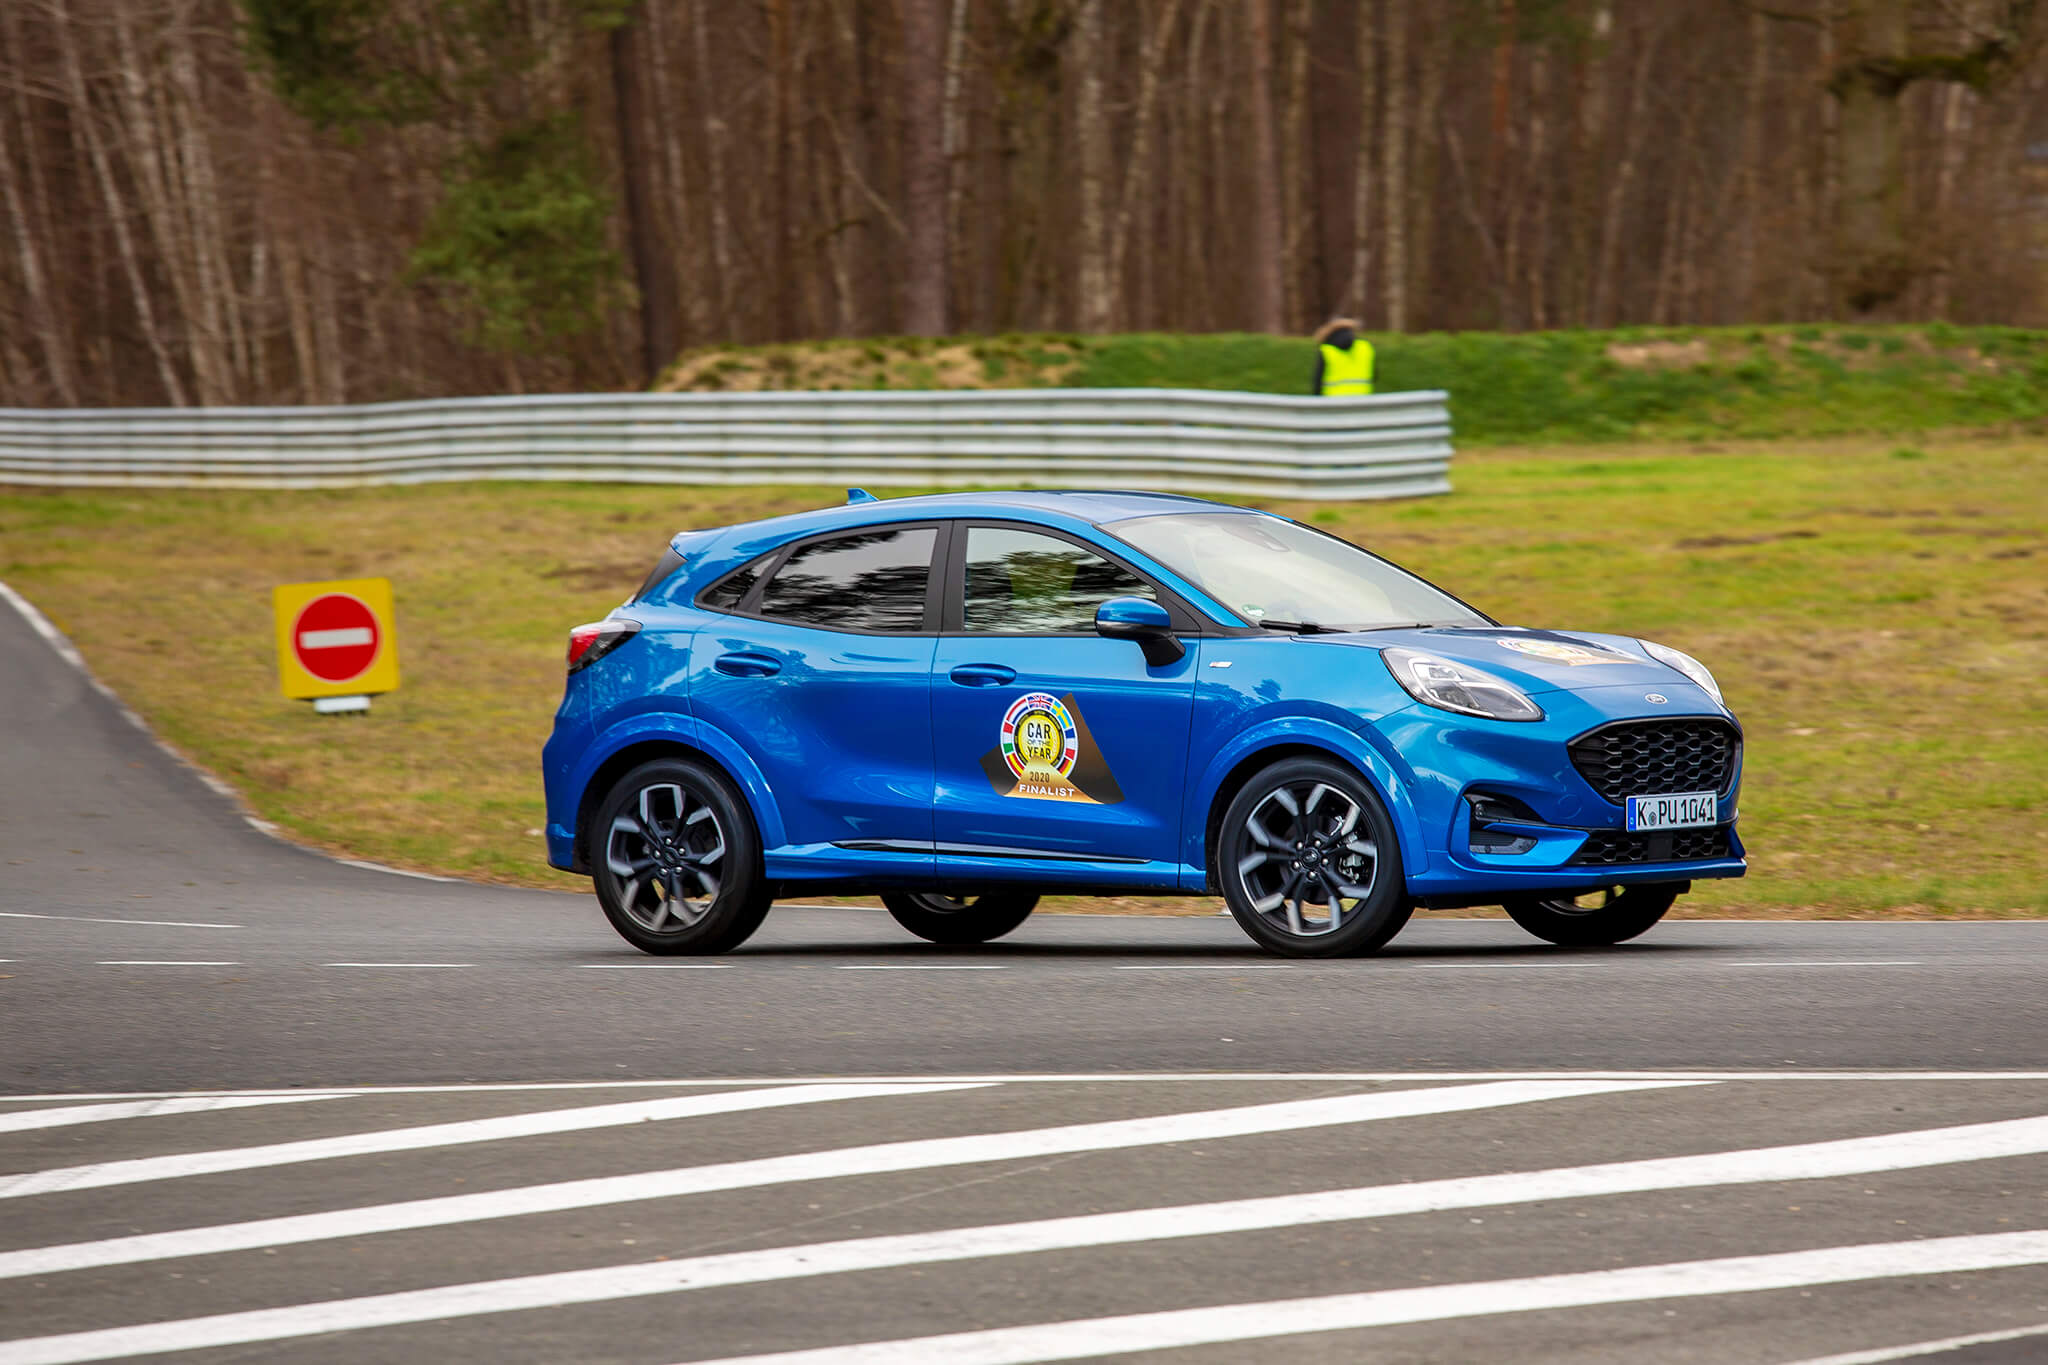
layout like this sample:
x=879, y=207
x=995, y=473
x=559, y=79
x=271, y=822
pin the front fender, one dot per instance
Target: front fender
x=714, y=743
x=1357, y=747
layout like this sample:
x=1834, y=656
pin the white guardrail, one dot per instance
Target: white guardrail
x=1386, y=446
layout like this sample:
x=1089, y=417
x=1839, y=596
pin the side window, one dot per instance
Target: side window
x=726, y=594
x=1023, y=583
x=873, y=580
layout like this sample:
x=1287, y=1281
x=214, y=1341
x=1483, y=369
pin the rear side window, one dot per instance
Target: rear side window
x=871, y=580
x=728, y=592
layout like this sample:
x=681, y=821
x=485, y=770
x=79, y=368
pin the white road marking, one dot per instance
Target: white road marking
x=154, y=962
x=1101, y=1077
x=398, y=964
x=339, y=638
x=918, y=1154
x=464, y=1131
x=1854, y=1156
x=1080, y=1340
x=1927, y=1348
x=655, y=966
x=922, y=967
x=88, y=919
x=395, y=871
x=1206, y=967
x=135, y=1109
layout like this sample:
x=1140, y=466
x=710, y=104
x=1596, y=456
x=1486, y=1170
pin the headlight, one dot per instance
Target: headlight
x=1686, y=664
x=1438, y=682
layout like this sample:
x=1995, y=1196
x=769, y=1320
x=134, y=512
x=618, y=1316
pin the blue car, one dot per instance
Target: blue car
x=961, y=703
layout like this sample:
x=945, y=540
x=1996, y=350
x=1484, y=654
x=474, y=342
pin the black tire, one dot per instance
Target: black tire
x=1310, y=864
x=960, y=919
x=676, y=861
x=1596, y=919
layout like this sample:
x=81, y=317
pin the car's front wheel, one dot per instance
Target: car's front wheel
x=676, y=861
x=1309, y=862
x=944, y=918
x=1595, y=919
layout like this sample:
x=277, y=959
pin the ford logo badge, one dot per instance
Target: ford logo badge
x=1656, y=698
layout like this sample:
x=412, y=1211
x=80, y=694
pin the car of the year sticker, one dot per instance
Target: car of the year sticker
x=1040, y=746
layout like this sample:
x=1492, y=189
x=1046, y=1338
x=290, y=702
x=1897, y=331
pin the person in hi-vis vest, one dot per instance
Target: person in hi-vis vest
x=1343, y=360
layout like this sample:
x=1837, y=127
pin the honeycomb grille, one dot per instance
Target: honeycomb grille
x=1610, y=847
x=1653, y=757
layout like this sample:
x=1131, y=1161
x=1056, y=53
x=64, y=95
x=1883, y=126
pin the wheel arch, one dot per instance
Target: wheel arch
x=1231, y=771
x=697, y=744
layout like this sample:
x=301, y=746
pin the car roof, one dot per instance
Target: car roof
x=1083, y=506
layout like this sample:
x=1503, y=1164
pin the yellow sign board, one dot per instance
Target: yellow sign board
x=336, y=639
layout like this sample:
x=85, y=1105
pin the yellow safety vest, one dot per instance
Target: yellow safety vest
x=1347, y=374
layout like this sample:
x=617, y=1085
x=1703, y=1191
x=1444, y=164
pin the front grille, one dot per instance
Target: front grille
x=1608, y=847
x=1657, y=757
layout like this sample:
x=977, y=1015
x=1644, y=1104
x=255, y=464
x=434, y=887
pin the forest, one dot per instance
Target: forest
x=322, y=201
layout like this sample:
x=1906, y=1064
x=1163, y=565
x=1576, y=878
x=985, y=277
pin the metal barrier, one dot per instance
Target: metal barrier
x=1386, y=446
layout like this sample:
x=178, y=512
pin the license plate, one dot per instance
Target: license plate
x=1681, y=811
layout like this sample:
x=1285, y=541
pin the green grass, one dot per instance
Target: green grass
x=1879, y=620
x=1681, y=384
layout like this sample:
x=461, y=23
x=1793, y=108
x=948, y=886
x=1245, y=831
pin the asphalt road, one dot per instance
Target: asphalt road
x=1271, y=1157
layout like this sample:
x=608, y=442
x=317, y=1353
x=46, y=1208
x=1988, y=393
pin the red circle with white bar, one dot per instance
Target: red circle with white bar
x=336, y=637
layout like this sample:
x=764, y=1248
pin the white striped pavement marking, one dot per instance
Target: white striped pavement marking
x=498, y=1129
x=923, y=967
x=134, y=1109
x=1091, y=1337
x=918, y=1154
x=656, y=966
x=159, y=962
x=91, y=919
x=1854, y=1156
x=398, y=964
x=1927, y=1348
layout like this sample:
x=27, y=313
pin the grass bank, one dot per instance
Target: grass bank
x=1506, y=389
x=1877, y=612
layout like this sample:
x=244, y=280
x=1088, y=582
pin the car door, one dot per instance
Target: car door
x=821, y=672
x=1052, y=743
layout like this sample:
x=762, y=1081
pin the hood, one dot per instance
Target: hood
x=1533, y=660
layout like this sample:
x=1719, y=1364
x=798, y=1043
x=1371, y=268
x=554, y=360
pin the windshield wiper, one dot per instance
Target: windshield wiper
x=1302, y=627
x=1401, y=625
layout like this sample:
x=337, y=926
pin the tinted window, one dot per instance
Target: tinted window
x=871, y=581
x=726, y=594
x=1022, y=583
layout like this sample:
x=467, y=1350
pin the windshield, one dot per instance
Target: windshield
x=1277, y=572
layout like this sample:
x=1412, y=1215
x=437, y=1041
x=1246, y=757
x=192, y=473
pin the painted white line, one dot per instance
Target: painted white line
x=136, y=1109
x=1100, y=1078
x=89, y=919
x=915, y=1155
x=655, y=966
x=1206, y=967
x=339, y=638
x=497, y=1129
x=1847, y=962
x=395, y=871
x=1855, y=1156
x=1082, y=1339
x=398, y=964
x=155, y=962
x=922, y=967
x=1926, y=1348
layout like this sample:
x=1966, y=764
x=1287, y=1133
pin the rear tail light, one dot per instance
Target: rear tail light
x=588, y=644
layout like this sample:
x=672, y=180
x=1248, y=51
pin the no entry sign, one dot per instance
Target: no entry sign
x=335, y=639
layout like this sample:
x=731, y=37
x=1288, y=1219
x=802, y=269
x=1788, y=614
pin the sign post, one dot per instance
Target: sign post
x=335, y=642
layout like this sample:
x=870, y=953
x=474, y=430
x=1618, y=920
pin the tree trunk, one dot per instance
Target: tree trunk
x=653, y=269
x=1263, y=269
x=1742, y=278
x=1372, y=136
x=1094, y=306
x=1872, y=263
x=1139, y=164
x=715, y=132
x=924, y=83
x=1296, y=167
x=1393, y=133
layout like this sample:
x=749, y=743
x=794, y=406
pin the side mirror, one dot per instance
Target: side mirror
x=1137, y=618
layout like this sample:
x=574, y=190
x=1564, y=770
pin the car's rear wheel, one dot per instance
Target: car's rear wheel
x=1593, y=919
x=1310, y=864
x=676, y=861
x=947, y=918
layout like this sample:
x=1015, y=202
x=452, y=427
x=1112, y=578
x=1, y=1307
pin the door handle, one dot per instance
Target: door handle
x=983, y=675
x=747, y=663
